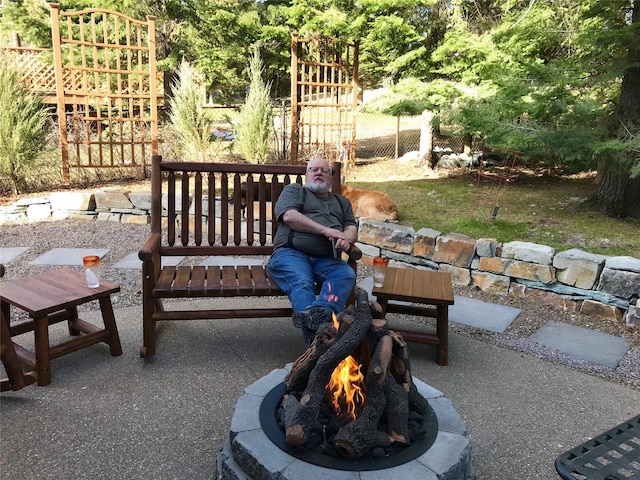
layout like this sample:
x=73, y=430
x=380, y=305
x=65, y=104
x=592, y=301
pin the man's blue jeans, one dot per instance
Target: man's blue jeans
x=296, y=273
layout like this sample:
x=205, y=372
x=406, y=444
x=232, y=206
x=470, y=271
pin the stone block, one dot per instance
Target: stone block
x=108, y=199
x=517, y=269
x=109, y=217
x=72, y=201
x=459, y=276
x=140, y=200
x=486, y=247
x=25, y=202
x=59, y=214
x=368, y=251
x=425, y=242
x=135, y=219
x=597, y=309
x=82, y=215
x=39, y=211
x=11, y=217
x=620, y=283
x=578, y=268
x=528, y=252
x=387, y=235
x=629, y=264
x=455, y=249
x=491, y=283
x=547, y=298
x=178, y=200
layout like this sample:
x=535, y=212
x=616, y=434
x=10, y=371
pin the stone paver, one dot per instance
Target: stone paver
x=8, y=254
x=591, y=345
x=68, y=256
x=133, y=262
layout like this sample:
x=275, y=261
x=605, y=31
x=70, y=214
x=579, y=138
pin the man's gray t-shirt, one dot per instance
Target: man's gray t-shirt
x=333, y=211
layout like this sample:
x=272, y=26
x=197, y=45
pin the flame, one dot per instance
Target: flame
x=345, y=386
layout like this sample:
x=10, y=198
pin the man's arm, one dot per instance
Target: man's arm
x=301, y=223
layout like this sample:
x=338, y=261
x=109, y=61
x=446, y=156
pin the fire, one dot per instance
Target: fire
x=345, y=386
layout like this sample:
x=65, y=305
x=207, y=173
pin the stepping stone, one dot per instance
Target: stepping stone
x=476, y=313
x=68, y=256
x=584, y=343
x=7, y=254
x=133, y=262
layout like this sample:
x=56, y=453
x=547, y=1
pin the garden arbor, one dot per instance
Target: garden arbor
x=324, y=98
x=107, y=88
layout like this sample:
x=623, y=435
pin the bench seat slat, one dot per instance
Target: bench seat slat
x=245, y=284
x=198, y=276
x=213, y=281
x=181, y=280
x=229, y=282
x=166, y=279
x=262, y=286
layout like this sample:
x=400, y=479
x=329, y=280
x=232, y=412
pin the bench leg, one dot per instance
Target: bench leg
x=110, y=325
x=148, y=349
x=43, y=362
x=442, y=330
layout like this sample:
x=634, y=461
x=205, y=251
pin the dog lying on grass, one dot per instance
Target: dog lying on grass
x=371, y=204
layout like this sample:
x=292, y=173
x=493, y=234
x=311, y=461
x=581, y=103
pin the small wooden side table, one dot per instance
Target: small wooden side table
x=50, y=298
x=432, y=290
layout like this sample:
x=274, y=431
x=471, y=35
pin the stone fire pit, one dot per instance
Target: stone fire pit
x=248, y=454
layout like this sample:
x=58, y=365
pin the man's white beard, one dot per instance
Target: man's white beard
x=321, y=188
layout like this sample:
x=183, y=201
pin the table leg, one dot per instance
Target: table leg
x=73, y=316
x=9, y=358
x=43, y=362
x=110, y=325
x=442, y=330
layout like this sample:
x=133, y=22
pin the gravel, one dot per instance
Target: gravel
x=123, y=239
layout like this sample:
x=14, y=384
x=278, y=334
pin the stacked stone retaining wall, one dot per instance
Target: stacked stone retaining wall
x=573, y=280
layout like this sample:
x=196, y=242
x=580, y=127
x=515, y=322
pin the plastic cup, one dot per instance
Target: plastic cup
x=92, y=270
x=379, y=270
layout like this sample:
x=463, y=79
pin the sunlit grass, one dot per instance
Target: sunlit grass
x=545, y=210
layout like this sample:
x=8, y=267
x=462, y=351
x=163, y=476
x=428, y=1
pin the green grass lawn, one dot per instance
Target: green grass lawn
x=548, y=210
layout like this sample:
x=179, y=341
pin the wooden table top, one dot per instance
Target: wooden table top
x=52, y=291
x=418, y=286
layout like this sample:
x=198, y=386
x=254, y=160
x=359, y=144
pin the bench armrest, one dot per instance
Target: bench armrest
x=354, y=253
x=151, y=245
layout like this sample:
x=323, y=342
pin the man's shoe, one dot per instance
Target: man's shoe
x=311, y=318
x=318, y=316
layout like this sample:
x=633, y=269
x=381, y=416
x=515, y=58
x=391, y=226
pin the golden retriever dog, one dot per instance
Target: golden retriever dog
x=371, y=204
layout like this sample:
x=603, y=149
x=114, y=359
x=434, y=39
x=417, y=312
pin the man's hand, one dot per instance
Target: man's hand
x=301, y=223
x=343, y=240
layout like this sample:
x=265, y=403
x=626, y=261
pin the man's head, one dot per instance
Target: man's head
x=318, y=176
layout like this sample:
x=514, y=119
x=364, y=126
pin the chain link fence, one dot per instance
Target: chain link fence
x=384, y=136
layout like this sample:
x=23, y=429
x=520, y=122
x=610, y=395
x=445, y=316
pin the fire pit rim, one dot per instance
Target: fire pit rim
x=269, y=425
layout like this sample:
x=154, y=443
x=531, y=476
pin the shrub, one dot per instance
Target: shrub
x=24, y=127
x=255, y=127
x=189, y=119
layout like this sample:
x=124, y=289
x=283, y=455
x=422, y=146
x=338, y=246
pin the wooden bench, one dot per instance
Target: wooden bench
x=203, y=215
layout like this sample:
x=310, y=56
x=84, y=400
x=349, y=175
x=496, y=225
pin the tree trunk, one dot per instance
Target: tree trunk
x=617, y=194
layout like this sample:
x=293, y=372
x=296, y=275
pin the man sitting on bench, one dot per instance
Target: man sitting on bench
x=315, y=226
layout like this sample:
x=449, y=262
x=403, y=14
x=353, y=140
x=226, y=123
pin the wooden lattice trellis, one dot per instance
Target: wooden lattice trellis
x=105, y=68
x=324, y=97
